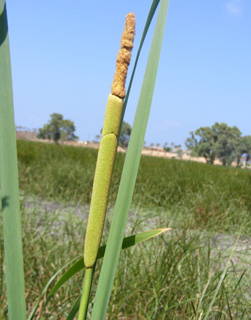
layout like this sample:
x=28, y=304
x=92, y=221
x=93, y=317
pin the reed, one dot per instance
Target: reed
x=102, y=179
x=108, y=146
x=9, y=181
x=129, y=173
x=105, y=162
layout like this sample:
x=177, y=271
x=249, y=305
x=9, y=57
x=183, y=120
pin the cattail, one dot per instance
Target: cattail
x=108, y=146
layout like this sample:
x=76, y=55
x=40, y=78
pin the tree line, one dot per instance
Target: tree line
x=220, y=142
x=217, y=142
x=60, y=129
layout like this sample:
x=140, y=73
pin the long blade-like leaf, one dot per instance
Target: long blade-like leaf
x=130, y=170
x=32, y=314
x=209, y=309
x=74, y=309
x=9, y=181
x=79, y=264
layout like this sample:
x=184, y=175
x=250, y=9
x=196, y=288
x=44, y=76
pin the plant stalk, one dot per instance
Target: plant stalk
x=9, y=182
x=86, y=293
x=129, y=174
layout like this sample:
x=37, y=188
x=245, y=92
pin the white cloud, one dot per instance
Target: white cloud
x=234, y=7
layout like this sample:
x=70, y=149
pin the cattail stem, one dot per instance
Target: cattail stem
x=86, y=293
x=105, y=160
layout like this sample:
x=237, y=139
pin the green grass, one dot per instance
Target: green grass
x=210, y=197
x=185, y=263
x=206, y=206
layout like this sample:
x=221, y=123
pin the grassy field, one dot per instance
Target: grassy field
x=174, y=276
x=202, y=196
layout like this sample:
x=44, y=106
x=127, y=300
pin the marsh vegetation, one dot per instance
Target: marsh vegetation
x=174, y=276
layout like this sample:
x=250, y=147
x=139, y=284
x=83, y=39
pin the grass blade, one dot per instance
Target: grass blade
x=74, y=309
x=220, y=281
x=201, y=298
x=9, y=182
x=79, y=265
x=130, y=169
x=75, y=268
x=32, y=314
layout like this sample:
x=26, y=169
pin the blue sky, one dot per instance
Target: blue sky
x=63, y=58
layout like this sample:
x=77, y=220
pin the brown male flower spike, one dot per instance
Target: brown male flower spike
x=124, y=57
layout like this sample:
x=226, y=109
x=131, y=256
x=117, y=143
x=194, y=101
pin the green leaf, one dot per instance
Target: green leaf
x=130, y=170
x=210, y=307
x=147, y=25
x=32, y=314
x=9, y=182
x=138, y=238
x=75, y=268
x=74, y=309
x=79, y=264
x=127, y=243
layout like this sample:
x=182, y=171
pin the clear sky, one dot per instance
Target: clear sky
x=63, y=57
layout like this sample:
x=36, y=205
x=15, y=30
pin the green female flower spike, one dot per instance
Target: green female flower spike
x=113, y=113
x=108, y=146
x=101, y=185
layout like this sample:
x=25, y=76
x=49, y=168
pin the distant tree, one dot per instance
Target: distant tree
x=238, y=152
x=167, y=149
x=125, y=133
x=157, y=145
x=151, y=145
x=203, y=145
x=67, y=131
x=57, y=129
x=219, y=141
x=179, y=153
x=98, y=137
x=228, y=142
x=44, y=133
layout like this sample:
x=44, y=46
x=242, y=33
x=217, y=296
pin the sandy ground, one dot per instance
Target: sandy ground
x=222, y=244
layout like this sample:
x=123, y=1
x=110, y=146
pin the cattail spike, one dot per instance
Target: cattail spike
x=124, y=57
x=108, y=146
